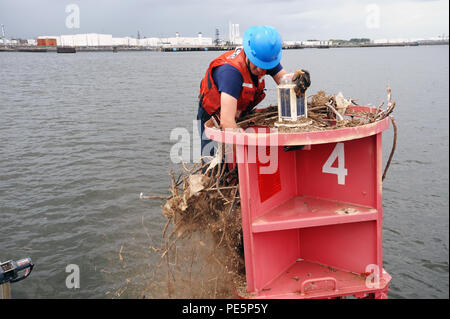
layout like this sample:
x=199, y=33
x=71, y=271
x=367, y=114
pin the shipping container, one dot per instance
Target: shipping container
x=46, y=41
x=51, y=42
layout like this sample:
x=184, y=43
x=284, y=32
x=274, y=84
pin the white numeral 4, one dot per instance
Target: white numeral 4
x=340, y=171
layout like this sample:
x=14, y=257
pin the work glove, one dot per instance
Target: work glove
x=302, y=81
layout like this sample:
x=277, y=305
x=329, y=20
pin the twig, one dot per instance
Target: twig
x=388, y=88
x=256, y=117
x=218, y=190
x=394, y=143
x=353, y=101
x=220, y=187
x=184, y=167
x=271, y=118
x=324, y=120
x=174, y=184
x=169, y=288
x=390, y=106
x=389, y=111
x=338, y=115
x=165, y=227
x=317, y=118
x=223, y=233
x=222, y=163
x=220, y=170
x=120, y=253
x=386, y=113
x=229, y=215
x=145, y=228
x=378, y=108
x=233, y=203
x=317, y=108
x=120, y=291
x=142, y=196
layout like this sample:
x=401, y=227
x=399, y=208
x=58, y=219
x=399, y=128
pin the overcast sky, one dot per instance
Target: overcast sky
x=295, y=19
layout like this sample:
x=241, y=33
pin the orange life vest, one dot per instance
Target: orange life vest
x=250, y=95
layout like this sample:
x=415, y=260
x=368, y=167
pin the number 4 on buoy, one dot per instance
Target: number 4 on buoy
x=340, y=170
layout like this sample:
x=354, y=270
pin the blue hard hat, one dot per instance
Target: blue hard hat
x=262, y=45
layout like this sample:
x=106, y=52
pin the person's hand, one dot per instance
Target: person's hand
x=302, y=81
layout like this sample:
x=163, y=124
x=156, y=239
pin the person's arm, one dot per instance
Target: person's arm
x=277, y=77
x=228, y=108
x=228, y=81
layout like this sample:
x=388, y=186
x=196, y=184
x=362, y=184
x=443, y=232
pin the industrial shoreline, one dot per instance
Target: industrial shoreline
x=28, y=48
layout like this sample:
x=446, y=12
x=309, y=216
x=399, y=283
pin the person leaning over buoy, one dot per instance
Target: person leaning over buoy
x=234, y=82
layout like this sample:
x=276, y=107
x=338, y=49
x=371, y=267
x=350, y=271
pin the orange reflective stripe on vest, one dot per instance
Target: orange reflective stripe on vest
x=250, y=95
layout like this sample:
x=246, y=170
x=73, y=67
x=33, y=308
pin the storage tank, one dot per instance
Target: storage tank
x=149, y=42
x=92, y=39
x=105, y=39
x=131, y=41
x=67, y=40
x=119, y=41
x=80, y=40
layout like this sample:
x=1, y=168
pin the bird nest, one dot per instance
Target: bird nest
x=325, y=112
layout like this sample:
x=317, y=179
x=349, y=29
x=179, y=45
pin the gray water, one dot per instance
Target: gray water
x=82, y=135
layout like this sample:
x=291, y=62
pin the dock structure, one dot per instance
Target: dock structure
x=186, y=48
x=198, y=48
x=121, y=48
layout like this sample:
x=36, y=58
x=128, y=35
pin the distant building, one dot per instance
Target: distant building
x=99, y=40
x=120, y=42
x=126, y=41
x=150, y=42
x=408, y=40
x=85, y=40
x=316, y=43
x=188, y=41
x=234, y=35
x=292, y=43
